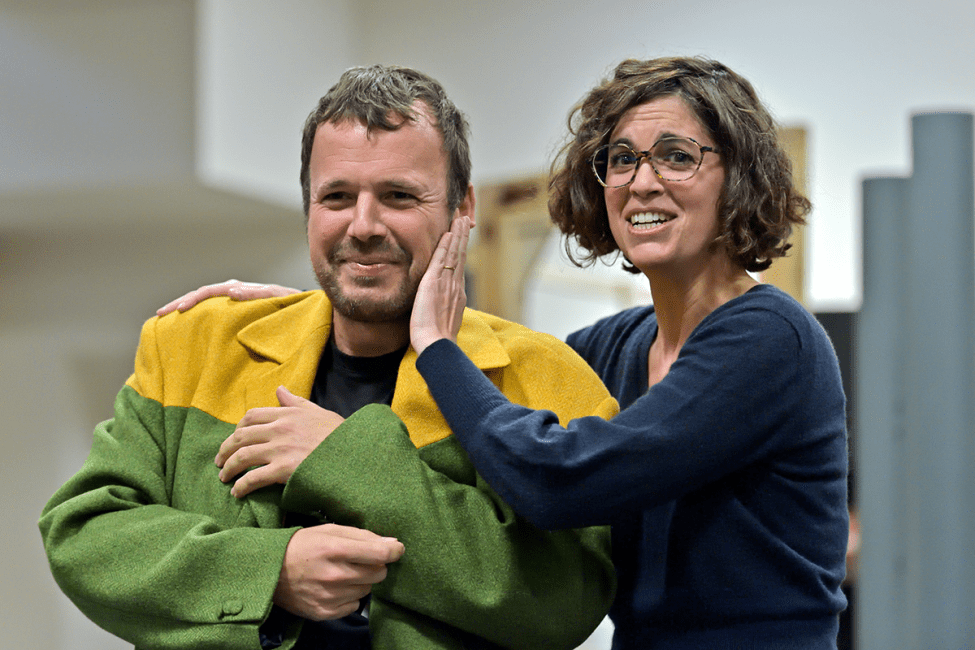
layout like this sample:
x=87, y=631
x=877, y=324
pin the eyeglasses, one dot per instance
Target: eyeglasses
x=672, y=159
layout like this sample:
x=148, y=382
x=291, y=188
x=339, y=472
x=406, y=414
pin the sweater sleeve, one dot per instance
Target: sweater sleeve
x=472, y=568
x=736, y=394
x=153, y=574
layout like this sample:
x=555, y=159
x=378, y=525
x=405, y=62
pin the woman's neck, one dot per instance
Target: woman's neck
x=681, y=302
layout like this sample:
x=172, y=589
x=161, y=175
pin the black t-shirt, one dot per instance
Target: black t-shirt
x=343, y=384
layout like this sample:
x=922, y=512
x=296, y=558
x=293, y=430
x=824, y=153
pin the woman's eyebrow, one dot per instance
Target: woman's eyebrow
x=622, y=140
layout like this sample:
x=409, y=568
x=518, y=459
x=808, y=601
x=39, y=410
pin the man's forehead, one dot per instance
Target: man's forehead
x=409, y=132
x=346, y=153
x=419, y=114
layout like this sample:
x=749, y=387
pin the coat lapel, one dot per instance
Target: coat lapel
x=412, y=400
x=286, y=347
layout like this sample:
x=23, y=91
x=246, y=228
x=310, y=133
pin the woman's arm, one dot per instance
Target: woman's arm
x=736, y=396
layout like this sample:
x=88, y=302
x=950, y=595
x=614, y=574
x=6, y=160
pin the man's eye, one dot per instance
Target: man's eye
x=401, y=198
x=333, y=198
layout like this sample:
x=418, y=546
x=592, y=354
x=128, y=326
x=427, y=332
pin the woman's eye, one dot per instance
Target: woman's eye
x=622, y=160
x=678, y=157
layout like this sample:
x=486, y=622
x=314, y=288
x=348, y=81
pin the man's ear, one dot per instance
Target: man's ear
x=466, y=207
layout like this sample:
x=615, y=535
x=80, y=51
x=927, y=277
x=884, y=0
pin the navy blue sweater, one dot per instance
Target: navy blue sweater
x=725, y=483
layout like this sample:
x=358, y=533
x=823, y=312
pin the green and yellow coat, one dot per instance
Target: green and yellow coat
x=150, y=544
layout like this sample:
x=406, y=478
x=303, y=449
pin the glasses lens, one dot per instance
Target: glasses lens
x=676, y=159
x=614, y=164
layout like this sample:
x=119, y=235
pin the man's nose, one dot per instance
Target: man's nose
x=367, y=218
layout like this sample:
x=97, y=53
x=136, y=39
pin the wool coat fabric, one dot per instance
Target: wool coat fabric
x=151, y=545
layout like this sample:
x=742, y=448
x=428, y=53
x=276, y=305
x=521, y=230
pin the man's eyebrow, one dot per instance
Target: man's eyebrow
x=402, y=186
x=334, y=184
x=393, y=184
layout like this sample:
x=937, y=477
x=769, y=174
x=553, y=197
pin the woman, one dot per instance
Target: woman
x=724, y=475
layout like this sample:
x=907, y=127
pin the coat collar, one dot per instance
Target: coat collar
x=290, y=342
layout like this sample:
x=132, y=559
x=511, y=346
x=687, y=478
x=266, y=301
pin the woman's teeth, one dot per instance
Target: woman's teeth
x=648, y=219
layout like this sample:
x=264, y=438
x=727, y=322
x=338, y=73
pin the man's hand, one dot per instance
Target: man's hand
x=328, y=568
x=274, y=441
x=236, y=289
x=440, y=299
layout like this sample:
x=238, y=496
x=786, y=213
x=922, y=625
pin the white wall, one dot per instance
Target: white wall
x=94, y=93
x=260, y=71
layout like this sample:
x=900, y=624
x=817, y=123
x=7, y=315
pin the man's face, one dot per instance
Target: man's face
x=378, y=207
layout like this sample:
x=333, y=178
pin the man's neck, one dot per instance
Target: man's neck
x=360, y=339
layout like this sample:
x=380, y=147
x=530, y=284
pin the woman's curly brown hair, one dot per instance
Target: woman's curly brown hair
x=759, y=203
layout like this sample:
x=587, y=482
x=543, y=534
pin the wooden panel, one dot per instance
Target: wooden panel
x=512, y=227
x=788, y=273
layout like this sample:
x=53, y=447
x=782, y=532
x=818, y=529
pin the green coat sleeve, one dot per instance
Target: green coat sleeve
x=199, y=576
x=472, y=568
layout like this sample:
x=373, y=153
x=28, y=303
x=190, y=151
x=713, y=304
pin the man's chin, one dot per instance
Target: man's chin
x=365, y=312
x=369, y=304
x=371, y=309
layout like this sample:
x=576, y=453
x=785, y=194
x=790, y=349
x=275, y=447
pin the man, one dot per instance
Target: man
x=220, y=509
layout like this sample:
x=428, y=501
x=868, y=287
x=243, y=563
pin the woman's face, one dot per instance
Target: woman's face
x=666, y=226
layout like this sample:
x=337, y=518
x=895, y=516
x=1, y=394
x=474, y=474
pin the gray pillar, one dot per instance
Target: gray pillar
x=940, y=385
x=879, y=417
x=915, y=383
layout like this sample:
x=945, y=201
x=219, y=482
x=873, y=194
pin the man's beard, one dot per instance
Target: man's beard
x=364, y=309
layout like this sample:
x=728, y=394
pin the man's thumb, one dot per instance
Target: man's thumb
x=287, y=398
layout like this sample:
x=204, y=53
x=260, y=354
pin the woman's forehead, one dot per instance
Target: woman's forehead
x=652, y=119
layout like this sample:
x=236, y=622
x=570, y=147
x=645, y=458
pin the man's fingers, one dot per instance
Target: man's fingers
x=280, y=437
x=358, y=545
x=352, y=578
x=287, y=398
x=260, y=415
x=328, y=568
x=336, y=612
x=237, y=462
x=245, y=435
x=255, y=479
x=349, y=532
